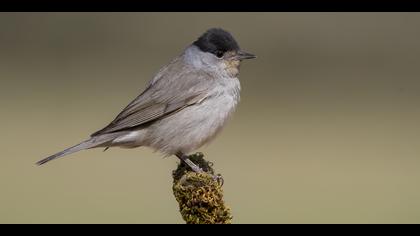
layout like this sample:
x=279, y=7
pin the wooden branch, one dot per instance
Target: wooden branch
x=200, y=197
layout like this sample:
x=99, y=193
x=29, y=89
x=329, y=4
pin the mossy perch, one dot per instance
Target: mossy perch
x=199, y=195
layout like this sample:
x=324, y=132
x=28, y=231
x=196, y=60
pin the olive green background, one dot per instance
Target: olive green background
x=327, y=130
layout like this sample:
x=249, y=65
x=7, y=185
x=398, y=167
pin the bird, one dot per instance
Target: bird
x=184, y=106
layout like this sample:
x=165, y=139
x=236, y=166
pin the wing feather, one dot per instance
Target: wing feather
x=175, y=87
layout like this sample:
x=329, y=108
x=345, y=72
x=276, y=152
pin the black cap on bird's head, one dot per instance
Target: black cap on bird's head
x=218, y=41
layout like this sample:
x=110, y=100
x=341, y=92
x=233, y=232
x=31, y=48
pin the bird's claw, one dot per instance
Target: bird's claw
x=219, y=179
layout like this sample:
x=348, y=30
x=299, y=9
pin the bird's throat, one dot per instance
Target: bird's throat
x=232, y=68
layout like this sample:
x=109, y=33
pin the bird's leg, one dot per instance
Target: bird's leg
x=184, y=158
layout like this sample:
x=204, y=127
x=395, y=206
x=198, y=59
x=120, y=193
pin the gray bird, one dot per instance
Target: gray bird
x=184, y=106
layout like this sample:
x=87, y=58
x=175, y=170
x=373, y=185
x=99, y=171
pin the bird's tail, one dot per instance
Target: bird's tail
x=90, y=143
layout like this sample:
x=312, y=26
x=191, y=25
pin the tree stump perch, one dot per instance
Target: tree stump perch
x=199, y=195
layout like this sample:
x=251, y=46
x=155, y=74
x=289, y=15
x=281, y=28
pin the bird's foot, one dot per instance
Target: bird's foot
x=192, y=165
x=219, y=179
x=198, y=158
x=196, y=169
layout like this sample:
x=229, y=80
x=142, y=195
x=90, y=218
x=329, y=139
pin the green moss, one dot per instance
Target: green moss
x=200, y=196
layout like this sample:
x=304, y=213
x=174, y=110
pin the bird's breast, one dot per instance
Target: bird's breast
x=197, y=124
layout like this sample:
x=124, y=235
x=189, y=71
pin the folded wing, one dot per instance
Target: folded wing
x=175, y=87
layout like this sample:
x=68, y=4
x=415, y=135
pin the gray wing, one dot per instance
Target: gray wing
x=175, y=87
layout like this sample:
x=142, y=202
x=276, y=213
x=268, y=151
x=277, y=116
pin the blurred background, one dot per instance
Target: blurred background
x=327, y=130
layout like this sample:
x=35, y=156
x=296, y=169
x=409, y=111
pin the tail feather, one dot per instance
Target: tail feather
x=90, y=143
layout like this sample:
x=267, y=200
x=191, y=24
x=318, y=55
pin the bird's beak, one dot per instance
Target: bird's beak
x=245, y=55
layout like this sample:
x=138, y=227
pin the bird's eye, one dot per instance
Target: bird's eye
x=219, y=54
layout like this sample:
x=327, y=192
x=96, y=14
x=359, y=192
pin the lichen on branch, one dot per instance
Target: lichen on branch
x=199, y=195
